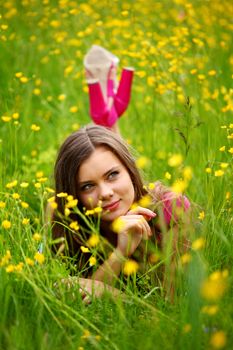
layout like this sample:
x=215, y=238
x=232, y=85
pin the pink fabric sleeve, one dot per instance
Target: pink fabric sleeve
x=170, y=204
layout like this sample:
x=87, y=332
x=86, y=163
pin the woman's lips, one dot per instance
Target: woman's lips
x=112, y=206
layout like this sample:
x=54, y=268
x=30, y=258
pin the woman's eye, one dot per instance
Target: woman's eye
x=86, y=187
x=113, y=174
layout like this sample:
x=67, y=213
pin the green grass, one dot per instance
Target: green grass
x=166, y=42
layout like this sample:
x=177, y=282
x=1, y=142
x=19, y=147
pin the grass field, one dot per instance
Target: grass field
x=180, y=123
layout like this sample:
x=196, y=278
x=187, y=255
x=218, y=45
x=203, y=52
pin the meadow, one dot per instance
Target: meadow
x=180, y=124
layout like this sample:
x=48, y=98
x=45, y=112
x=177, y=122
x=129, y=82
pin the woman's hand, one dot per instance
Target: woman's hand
x=133, y=228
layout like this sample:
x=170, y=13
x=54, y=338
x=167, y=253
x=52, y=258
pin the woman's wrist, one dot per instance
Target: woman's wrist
x=118, y=255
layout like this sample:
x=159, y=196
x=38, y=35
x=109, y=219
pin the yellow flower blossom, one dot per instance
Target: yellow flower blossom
x=201, y=215
x=187, y=173
x=94, y=240
x=208, y=170
x=72, y=204
x=218, y=340
x=224, y=165
x=6, y=258
x=39, y=257
x=130, y=267
x=19, y=267
x=23, y=80
x=222, y=149
x=210, y=310
x=6, y=119
x=53, y=205
x=92, y=261
x=175, y=160
x=74, y=225
x=145, y=201
x=118, y=225
x=151, y=185
x=67, y=212
x=29, y=261
x=10, y=268
x=198, y=244
x=187, y=328
x=24, y=184
x=61, y=97
x=179, y=186
x=24, y=205
x=18, y=74
x=167, y=175
x=231, y=150
x=185, y=258
x=142, y=162
x=6, y=224
x=2, y=204
x=212, y=73
x=36, y=237
x=73, y=109
x=84, y=249
x=25, y=221
x=36, y=91
x=37, y=185
x=69, y=198
x=219, y=173
x=228, y=195
x=15, y=196
x=214, y=287
x=35, y=127
x=12, y=184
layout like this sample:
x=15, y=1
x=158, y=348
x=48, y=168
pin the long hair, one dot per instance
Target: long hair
x=77, y=148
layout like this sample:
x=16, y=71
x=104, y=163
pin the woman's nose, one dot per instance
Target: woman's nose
x=105, y=192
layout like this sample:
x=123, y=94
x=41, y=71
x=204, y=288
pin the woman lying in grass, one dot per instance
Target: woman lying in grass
x=98, y=185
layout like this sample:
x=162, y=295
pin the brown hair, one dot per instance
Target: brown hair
x=76, y=149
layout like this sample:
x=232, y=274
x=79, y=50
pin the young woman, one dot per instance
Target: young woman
x=95, y=166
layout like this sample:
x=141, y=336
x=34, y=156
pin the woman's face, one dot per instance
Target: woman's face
x=102, y=177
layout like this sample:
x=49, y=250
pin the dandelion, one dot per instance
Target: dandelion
x=6, y=258
x=201, y=215
x=2, y=204
x=222, y=149
x=35, y=127
x=94, y=240
x=10, y=268
x=18, y=74
x=25, y=221
x=37, y=185
x=187, y=328
x=219, y=173
x=36, y=91
x=23, y=80
x=179, y=186
x=175, y=160
x=39, y=257
x=15, y=196
x=208, y=170
x=198, y=244
x=212, y=73
x=19, y=267
x=54, y=205
x=61, y=97
x=224, y=165
x=39, y=174
x=151, y=186
x=228, y=195
x=188, y=173
x=6, y=224
x=231, y=150
x=130, y=267
x=218, y=340
x=86, y=334
x=92, y=261
x=66, y=211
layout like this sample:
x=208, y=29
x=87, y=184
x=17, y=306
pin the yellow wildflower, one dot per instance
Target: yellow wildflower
x=210, y=310
x=29, y=261
x=36, y=237
x=185, y=258
x=208, y=170
x=167, y=175
x=73, y=109
x=61, y=97
x=224, y=165
x=18, y=74
x=130, y=267
x=72, y=204
x=187, y=328
x=25, y=221
x=142, y=162
x=179, y=186
x=35, y=127
x=62, y=195
x=23, y=80
x=118, y=225
x=92, y=261
x=37, y=185
x=6, y=224
x=219, y=173
x=175, y=160
x=12, y=184
x=10, y=268
x=6, y=119
x=39, y=257
x=24, y=205
x=218, y=340
x=74, y=225
x=15, y=196
x=151, y=185
x=94, y=240
x=214, y=286
x=24, y=184
x=84, y=249
x=201, y=215
x=222, y=149
x=198, y=244
x=6, y=258
x=19, y=267
x=145, y=201
x=67, y=212
x=69, y=198
x=187, y=173
x=2, y=204
x=231, y=150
